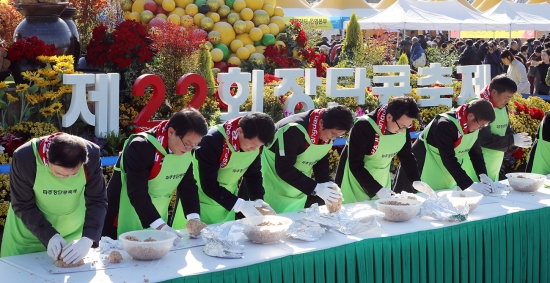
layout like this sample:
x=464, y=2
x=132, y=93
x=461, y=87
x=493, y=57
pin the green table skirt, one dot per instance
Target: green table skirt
x=510, y=248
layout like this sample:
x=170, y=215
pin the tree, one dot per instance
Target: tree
x=354, y=37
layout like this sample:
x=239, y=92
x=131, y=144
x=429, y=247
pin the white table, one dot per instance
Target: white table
x=193, y=261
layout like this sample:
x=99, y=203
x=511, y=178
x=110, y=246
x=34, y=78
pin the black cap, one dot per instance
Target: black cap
x=324, y=38
x=539, y=49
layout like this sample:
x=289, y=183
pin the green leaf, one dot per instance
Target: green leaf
x=60, y=77
x=3, y=105
x=33, y=89
x=15, y=119
x=28, y=114
x=2, y=94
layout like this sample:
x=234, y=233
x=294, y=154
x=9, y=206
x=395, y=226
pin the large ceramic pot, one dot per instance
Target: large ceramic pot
x=42, y=20
x=67, y=16
x=17, y=68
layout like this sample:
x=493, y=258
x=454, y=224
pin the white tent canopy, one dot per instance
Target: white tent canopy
x=521, y=16
x=443, y=15
x=345, y=8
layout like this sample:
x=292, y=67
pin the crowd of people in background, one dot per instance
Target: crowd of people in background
x=526, y=62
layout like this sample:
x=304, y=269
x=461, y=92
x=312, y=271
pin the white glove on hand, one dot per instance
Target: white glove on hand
x=523, y=140
x=385, y=193
x=480, y=188
x=55, y=245
x=423, y=188
x=177, y=240
x=327, y=193
x=487, y=181
x=74, y=252
x=247, y=208
x=262, y=203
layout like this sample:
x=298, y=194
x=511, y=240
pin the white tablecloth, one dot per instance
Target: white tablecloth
x=193, y=261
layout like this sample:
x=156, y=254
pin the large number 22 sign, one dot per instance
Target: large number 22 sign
x=143, y=119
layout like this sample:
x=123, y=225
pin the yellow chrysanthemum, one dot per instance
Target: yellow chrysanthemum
x=3, y=85
x=47, y=112
x=30, y=75
x=32, y=99
x=21, y=87
x=50, y=94
x=65, y=59
x=66, y=89
x=43, y=59
x=63, y=67
x=56, y=106
x=40, y=97
x=47, y=72
x=54, y=81
x=42, y=82
x=11, y=97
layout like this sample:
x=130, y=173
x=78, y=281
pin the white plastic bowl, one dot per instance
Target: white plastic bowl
x=269, y=234
x=460, y=198
x=148, y=250
x=530, y=182
x=398, y=213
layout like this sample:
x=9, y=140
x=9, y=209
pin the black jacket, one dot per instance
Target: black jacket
x=469, y=57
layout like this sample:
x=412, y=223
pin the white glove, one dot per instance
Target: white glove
x=385, y=193
x=74, y=252
x=55, y=245
x=327, y=193
x=523, y=140
x=247, y=208
x=262, y=203
x=423, y=188
x=177, y=240
x=494, y=185
x=480, y=188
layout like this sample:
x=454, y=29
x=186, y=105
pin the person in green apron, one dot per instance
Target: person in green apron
x=57, y=196
x=228, y=153
x=499, y=136
x=539, y=161
x=364, y=169
x=153, y=164
x=445, y=143
x=301, y=146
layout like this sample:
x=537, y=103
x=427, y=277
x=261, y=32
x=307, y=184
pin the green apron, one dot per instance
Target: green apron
x=434, y=172
x=493, y=158
x=49, y=193
x=377, y=164
x=541, y=160
x=228, y=177
x=160, y=188
x=280, y=195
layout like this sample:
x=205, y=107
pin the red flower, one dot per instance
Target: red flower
x=27, y=49
x=536, y=113
x=10, y=143
x=269, y=78
x=127, y=43
x=518, y=153
x=522, y=108
x=301, y=39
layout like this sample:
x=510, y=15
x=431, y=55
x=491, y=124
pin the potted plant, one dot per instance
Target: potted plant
x=22, y=54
